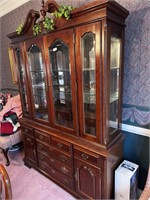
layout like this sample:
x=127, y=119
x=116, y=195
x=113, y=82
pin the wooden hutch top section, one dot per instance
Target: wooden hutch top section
x=94, y=11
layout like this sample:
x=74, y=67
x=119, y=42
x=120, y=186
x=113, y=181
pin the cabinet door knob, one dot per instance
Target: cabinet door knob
x=84, y=156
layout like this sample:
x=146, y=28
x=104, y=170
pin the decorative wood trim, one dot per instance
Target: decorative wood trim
x=31, y=17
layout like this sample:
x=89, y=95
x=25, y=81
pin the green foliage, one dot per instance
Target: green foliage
x=20, y=27
x=37, y=29
x=64, y=11
x=48, y=23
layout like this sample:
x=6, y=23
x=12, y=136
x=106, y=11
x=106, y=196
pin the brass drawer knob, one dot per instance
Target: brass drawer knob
x=41, y=137
x=63, y=158
x=26, y=130
x=59, y=145
x=53, y=171
x=41, y=156
x=64, y=170
x=40, y=146
x=66, y=180
x=52, y=160
x=84, y=156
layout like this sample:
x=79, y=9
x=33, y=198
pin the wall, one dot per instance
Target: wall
x=136, y=93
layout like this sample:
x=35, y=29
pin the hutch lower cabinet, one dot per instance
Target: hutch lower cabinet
x=70, y=82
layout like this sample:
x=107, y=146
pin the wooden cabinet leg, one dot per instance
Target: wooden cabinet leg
x=5, y=152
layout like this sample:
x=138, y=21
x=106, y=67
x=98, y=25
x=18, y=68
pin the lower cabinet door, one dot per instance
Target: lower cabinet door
x=88, y=180
x=29, y=148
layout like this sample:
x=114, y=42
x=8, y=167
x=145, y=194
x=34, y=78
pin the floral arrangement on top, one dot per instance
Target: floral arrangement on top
x=48, y=23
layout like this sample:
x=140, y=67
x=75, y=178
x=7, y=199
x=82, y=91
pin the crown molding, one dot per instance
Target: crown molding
x=7, y=6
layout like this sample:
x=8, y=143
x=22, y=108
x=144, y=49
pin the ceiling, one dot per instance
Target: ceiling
x=7, y=6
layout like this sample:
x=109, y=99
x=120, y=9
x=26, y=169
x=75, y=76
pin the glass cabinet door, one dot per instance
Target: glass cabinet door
x=38, y=84
x=89, y=82
x=88, y=78
x=61, y=83
x=115, y=52
x=22, y=85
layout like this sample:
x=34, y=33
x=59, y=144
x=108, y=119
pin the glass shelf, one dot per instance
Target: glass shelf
x=113, y=97
x=38, y=82
x=115, y=51
x=89, y=82
x=61, y=83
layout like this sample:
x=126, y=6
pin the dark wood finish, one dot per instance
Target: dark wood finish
x=7, y=183
x=5, y=152
x=80, y=161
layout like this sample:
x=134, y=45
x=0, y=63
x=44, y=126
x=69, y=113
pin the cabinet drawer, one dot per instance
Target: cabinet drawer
x=42, y=137
x=58, y=176
x=88, y=156
x=42, y=147
x=27, y=130
x=60, y=156
x=50, y=161
x=62, y=145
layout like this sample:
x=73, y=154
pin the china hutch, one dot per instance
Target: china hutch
x=70, y=82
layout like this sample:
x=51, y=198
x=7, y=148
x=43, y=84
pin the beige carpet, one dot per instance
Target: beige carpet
x=28, y=184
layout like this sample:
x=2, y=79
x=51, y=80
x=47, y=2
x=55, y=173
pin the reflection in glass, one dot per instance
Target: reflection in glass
x=38, y=82
x=22, y=81
x=114, y=82
x=61, y=81
x=89, y=82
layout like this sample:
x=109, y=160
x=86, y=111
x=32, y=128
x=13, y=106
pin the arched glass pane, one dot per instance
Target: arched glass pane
x=36, y=68
x=22, y=81
x=61, y=83
x=89, y=82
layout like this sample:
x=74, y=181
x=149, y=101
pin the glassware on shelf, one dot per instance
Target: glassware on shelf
x=61, y=83
x=36, y=68
x=22, y=81
x=115, y=56
x=89, y=82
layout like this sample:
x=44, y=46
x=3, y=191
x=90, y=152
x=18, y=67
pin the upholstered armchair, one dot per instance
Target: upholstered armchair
x=146, y=192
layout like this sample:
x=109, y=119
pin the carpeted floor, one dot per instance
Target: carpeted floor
x=28, y=184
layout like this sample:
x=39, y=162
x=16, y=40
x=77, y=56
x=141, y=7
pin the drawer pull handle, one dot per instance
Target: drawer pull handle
x=66, y=180
x=84, y=156
x=52, y=160
x=64, y=170
x=41, y=137
x=26, y=130
x=51, y=148
x=59, y=145
x=40, y=146
x=53, y=171
x=63, y=158
x=41, y=156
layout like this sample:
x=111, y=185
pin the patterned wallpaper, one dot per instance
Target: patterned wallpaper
x=136, y=91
